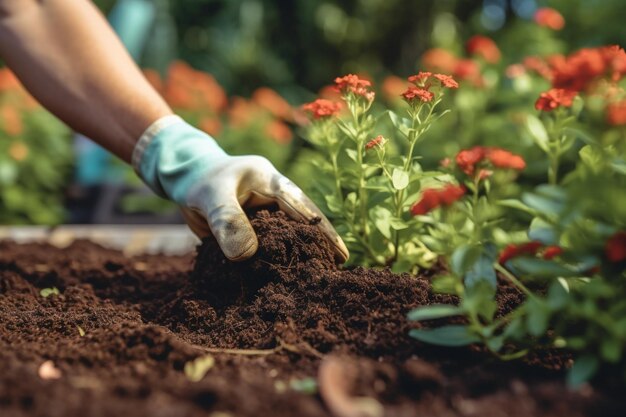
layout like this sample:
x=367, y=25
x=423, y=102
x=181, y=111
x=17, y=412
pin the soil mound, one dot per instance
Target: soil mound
x=122, y=329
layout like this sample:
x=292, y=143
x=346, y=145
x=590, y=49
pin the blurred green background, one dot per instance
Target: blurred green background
x=295, y=48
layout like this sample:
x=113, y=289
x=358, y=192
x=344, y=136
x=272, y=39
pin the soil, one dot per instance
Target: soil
x=275, y=325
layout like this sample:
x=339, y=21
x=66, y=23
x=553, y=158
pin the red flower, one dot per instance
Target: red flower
x=378, y=141
x=393, y=87
x=552, y=252
x=420, y=78
x=429, y=201
x=451, y=193
x=468, y=70
x=484, y=47
x=416, y=93
x=616, y=113
x=538, y=65
x=353, y=84
x=433, y=198
x=615, y=248
x=555, y=98
x=322, y=108
x=501, y=158
x=446, y=81
x=549, y=18
x=467, y=159
x=577, y=71
x=513, y=251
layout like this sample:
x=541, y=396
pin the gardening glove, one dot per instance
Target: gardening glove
x=186, y=165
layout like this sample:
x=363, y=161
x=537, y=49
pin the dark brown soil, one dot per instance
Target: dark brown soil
x=290, y=308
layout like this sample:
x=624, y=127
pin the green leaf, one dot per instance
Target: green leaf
x=481, y=271
x=334, y=204
x=398, y=224
x=196, y=369
x=538, y=318
x=46, y=292
x=434, y=311
x=382, y=218
x=453, y=335
x=352, y=154
x=611, y=349
x=517, y=204
x=400, y=179
x=542, y=268
x=537, y=131
x=462, y=258
x=543, y=232
x=304, y=385
x=400, y=123
x=582, y=370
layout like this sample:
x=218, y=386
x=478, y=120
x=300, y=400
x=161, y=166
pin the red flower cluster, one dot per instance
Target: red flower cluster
x=579, y=70
x=322, y=108
x=615, y=248
x=435, y=197
x=417, y=93
x=616, y=113
x=550, y=18
x=555, y=98
x=484, y=47
x=378, y=141
x=422, y=80
x=353, y=84
x=468, y=159
x=528, y=249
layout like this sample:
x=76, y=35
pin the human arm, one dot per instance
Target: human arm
x=68, y=57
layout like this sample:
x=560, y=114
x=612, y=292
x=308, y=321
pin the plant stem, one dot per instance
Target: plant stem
x=514, y=280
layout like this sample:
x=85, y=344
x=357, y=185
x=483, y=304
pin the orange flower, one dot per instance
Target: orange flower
x=501, y=158
x=392, y=87
x=8, y=80
x=420, y=78
x=353, y=84
x=322, y=108
x=466, y=69
x=379, y=141
x=154, y=78
x=18, y=151
x=616, y=113
x=446, y=81
x=210, y=125
x=615, y=248
x=555, y=98
x=190, y=89
x=433, y=198
x=242, y=112
x=279, y=132
x=439, y=59
x=273, y=102
x=11, y=121
x=484, y=47
x=550, y=18
x=413, y=94
x=329, y=92
x=513, y=251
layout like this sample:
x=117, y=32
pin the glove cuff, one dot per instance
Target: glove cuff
x=148, y=135
x=171, y=155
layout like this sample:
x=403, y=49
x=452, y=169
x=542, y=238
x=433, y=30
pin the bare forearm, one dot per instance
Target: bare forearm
x=68, y=57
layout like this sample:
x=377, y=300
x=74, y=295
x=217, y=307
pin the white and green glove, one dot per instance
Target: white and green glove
x=186, y=165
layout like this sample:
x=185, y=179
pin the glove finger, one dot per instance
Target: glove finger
x=292, y=200
x=196, y=222
x=232, y=229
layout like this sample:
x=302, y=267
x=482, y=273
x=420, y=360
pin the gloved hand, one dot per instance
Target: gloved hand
x=187, y=166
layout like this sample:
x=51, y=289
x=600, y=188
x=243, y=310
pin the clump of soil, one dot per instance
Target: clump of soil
x=270, y=323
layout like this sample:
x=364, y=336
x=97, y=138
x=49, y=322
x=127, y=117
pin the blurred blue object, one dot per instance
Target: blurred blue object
x=133, y=21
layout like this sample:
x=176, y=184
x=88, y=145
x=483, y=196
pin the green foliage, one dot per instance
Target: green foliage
x=47, y=292
x=196, y=369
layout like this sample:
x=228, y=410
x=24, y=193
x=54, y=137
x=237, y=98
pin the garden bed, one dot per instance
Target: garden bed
x=122, y=329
